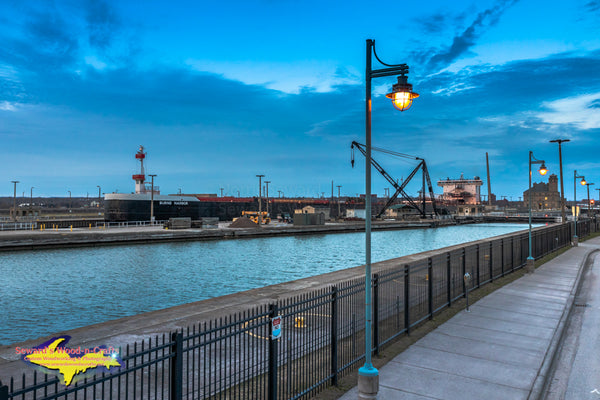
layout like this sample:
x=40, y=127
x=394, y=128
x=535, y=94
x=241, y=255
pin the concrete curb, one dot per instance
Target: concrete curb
x=540, y=385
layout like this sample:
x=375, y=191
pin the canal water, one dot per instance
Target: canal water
x=47, y=291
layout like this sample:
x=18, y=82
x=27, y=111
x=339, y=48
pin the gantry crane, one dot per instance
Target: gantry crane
x=400, y=188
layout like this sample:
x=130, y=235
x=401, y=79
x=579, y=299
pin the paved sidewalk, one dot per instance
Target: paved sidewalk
x=502, y=349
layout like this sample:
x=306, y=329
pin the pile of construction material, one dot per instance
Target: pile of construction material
x=243, y=222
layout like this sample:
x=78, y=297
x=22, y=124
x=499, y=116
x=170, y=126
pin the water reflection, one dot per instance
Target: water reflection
x=48, y=291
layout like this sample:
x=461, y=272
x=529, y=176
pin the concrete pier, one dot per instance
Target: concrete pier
x=92, y=237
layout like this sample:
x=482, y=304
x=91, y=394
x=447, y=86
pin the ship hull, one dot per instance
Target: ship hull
x=136, y=207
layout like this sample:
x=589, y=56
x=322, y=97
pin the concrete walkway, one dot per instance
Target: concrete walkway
x=501, y=349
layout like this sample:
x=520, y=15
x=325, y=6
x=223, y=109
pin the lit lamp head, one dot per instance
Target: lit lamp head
x=543, y=170
x=402, y=94
x=583, y=182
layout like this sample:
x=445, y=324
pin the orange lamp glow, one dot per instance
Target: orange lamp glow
x=543, y=170
x=583, y=182
x=402, y=94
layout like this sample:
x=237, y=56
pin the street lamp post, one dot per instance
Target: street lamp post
x=152, y=199
x=267, y=194
x=31, y=200
x=575, y=213
x=588, y=184
x=562, y=186
x=402, y=97
x=70, y=203
x=259, y=199
x=532, y=160
x=99, y=194
x=15, y=201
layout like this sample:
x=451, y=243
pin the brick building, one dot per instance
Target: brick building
x=544, y=196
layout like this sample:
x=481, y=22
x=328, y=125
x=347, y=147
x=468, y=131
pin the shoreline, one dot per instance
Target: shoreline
x=94, y=237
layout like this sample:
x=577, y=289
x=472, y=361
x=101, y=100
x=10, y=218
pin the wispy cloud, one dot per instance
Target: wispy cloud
x=463, y=42
x=593, y=5
x=103, y=23
x=579, y=111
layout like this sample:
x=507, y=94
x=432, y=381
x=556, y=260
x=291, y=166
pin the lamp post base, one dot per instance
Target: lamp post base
x=368, y=386
x=530, y=266
x=575, y=241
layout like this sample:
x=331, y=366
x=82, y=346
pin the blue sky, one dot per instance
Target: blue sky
x=218, y=92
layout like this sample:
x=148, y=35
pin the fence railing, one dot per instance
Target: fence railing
x=50, y=224
x=235, y=357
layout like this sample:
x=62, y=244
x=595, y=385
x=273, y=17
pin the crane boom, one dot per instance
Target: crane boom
x=400, y=188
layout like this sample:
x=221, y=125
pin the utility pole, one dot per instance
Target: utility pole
x=562, y=186
x=339, y=201
x=152, y=199
x=260, y=199
x=15, y=201
x=267, y=194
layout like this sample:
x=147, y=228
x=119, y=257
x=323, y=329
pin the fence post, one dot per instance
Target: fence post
x=502, y=255
x=491, y=262
x=3, y=391
x=406, y=299
x=176, y=388
x=478, y=276
x=334, y=343
x=376, y=312
x=448, y=279
x=464, y=270
x=272, y=376
x=512, y=254
x=430, y=287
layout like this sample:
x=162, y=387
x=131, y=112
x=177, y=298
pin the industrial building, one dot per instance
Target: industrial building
x=461, y=191
x=544, y=196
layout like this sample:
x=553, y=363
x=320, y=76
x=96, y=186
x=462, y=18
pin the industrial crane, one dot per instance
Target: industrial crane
x=400, y=188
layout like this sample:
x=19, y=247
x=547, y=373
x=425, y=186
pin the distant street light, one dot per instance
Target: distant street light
x=259, y=199
x=402, y=97
x=575, y=213
x=152, y=199
x=562, y=186
x=15, y=200
x=70, y=203
x=542, y=171
x=31, y=198
x=99, y=195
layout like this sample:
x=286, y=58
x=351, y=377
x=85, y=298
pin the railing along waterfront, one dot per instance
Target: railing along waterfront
x=50, y=224
x=235, y=357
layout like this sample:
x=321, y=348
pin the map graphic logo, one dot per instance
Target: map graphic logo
x=71, y=363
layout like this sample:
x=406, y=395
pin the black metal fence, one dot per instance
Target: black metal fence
x=235, y=357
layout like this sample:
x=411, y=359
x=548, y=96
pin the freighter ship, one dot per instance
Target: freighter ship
x=136, y=206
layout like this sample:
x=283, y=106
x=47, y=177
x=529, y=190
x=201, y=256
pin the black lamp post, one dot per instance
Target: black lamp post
x=532, y=160
x=402, y=97
x=562, y=186
x=576, y=209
